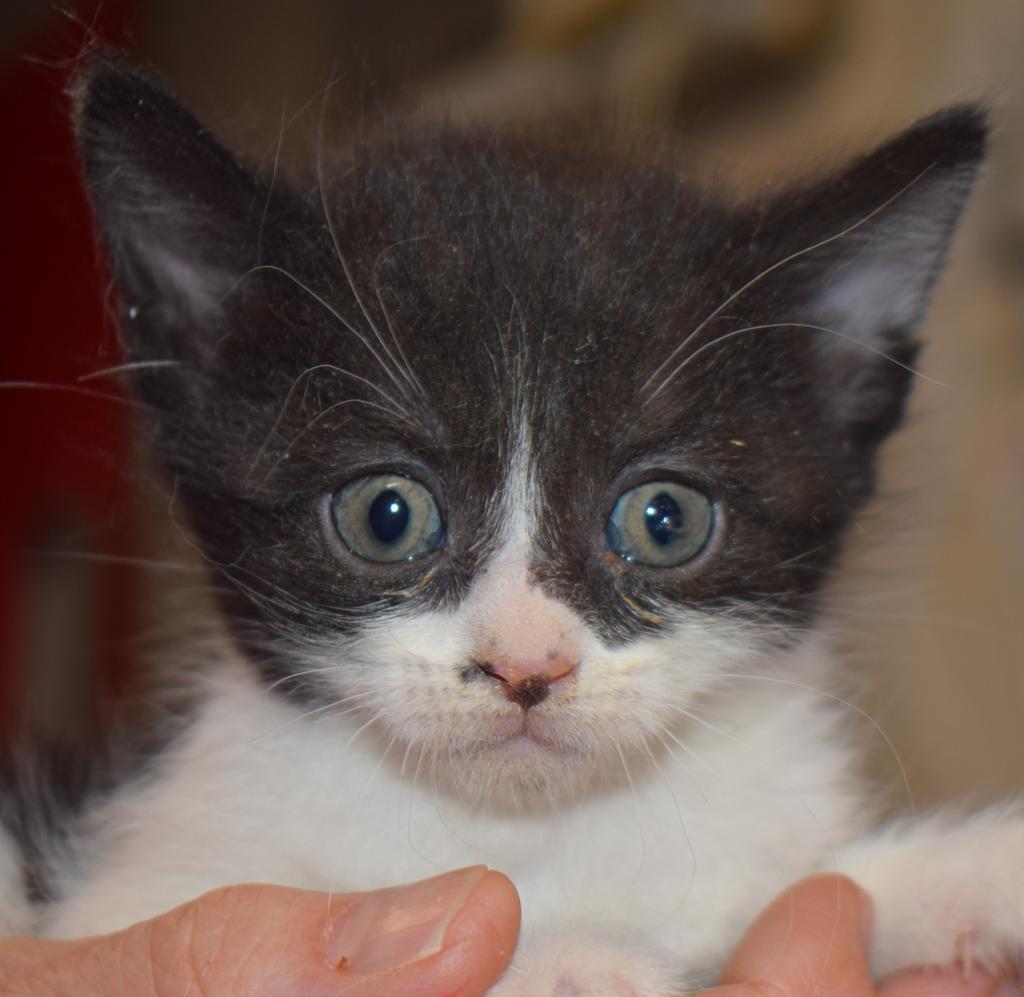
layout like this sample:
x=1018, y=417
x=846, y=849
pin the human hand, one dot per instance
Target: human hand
x=813, y=939
x=451, y=934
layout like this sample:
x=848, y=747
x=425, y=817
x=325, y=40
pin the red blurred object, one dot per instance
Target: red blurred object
x=65, y=453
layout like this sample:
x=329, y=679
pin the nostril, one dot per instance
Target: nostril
x=523, y=685
x=530, y=692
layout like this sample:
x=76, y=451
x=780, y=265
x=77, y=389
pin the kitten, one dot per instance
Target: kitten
x=520, y=471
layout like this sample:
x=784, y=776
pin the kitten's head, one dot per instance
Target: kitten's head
x=508, y=450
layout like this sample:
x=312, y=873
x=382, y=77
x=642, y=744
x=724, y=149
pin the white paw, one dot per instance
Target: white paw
x=584, y=967
x=945, y=892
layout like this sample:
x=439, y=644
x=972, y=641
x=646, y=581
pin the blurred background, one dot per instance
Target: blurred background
x=759, y=91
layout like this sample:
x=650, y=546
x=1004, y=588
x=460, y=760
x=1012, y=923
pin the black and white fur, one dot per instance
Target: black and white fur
x=528, y=329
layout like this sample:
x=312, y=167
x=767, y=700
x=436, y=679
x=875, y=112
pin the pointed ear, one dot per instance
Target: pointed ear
x=869, y=246
x=178, y=215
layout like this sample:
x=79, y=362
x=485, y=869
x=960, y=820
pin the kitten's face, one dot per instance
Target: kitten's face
x=507, y=455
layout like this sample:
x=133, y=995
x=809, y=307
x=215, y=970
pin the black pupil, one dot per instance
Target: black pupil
x=663, y=519
x=389, y=516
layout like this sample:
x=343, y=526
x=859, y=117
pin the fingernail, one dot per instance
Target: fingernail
x=947, y=981
x=390, y=927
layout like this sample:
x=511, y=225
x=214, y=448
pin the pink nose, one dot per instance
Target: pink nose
x=514, y=671
x=527, y=683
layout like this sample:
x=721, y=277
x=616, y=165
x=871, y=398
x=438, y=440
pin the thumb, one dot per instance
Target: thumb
x=812, y=939
x=452, y=934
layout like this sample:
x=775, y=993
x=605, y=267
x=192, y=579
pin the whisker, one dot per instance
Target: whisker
x=682, y=825
x=291, y=392
x=123, y=367
x=316, y=711
x=405, y=758
x=273, y=268
x=137, y=562
x=842, y=702
x=794, y=325
x=636, y=802
x=383, y=308
x=287, y=603
x=273, y=179
x=769, y=270
x=412, y=803
x=359, y=730
x=700, y=720
x=407, y=374
x=692, y=754
x=323, y=415
x=372, y=775
x=69, y=389
x=292, y=676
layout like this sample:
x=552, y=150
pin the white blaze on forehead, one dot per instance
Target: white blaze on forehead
x=504, y=614
x=519, y=505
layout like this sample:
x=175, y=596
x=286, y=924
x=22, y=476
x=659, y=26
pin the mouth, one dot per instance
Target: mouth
x=509, y=758
x=528, y=733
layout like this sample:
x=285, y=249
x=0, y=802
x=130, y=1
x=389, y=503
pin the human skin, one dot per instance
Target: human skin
x=813, y=939
x=451, y=935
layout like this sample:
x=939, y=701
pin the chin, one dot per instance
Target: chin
x=518, y=771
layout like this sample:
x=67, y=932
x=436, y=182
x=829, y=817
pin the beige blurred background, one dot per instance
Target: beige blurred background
x=761, y=91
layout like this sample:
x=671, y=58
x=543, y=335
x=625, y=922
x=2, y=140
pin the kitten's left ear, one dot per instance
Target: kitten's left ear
x=178, y=215
x=863, y=251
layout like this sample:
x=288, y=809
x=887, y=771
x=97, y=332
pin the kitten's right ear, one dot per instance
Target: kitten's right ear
x=177, y=213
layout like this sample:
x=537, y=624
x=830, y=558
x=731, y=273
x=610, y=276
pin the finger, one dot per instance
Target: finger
x=949, y=982
x=450, y=934
x=812, y=939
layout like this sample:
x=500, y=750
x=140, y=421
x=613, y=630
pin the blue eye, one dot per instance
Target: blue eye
x=387, y=518
x=660, y=523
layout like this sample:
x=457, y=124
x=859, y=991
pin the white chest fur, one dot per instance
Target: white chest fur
x=254, y=792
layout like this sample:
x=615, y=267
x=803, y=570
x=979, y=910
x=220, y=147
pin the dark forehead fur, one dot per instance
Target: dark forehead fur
x=443, y=304
x=519, y=298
